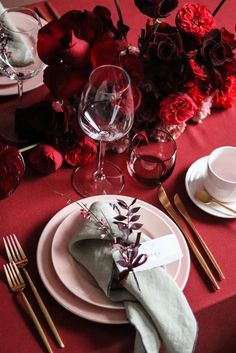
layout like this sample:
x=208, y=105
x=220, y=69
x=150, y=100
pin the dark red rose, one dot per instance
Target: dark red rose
x=45, y=159
x=195, y=20
x=216, y=54
x=156, y=8
x=165, y=62
x=132, y=63
x=147, y=113
x=85, y=152
x=64, y=82
x=85, y=24
x=215, y=50
x=12, y=169
x=106, y=50
x=177, y=108
x=52, y=38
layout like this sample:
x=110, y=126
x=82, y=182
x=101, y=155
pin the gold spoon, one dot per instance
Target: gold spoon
x=205, y=197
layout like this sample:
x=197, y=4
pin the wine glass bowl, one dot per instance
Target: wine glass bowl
x=152, y=157
x=19, y=58
x=106, y=113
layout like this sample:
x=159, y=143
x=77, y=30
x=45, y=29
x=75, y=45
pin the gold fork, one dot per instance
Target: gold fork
x=16, y=254
x=17, y=284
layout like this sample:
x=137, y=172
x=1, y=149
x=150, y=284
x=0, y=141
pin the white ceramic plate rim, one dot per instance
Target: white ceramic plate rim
x=56, y=288
x=78, y=280
x=62, y=294
x=194, y=181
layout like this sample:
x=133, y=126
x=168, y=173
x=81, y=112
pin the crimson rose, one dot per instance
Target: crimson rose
x=66, y=44
x=177, y=108
x=216, y=54
x=83, y=153
x=195, y=20
x=225, y=98
x=45, y=159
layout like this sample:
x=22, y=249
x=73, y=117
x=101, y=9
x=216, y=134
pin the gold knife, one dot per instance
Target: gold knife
x=180, y=206
x=169, y=208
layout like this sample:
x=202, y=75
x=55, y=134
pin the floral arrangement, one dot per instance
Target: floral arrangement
x=178, y=73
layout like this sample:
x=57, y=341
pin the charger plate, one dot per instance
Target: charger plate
x=56, y=235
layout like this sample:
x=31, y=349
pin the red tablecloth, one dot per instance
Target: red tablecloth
x=33, y=204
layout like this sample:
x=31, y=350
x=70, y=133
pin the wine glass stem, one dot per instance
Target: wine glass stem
x=99, y=175
x=20, y=89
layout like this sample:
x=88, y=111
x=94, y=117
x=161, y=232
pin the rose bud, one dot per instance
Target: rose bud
x=85, y=152
x=12, y=169
x=45, y=159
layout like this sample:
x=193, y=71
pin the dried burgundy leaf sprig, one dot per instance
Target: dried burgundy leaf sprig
x=126, y=224
x=129, y=251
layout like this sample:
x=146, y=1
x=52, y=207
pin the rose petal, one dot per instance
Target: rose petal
x=64, y=82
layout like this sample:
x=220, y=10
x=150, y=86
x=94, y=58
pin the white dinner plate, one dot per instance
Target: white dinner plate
x=56, y=288
x=72, y=302
x=79, y=281
x=194, y=181
x=9, y=87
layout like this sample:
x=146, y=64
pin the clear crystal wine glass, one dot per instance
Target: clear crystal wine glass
x=19, y=59
x=106, y=114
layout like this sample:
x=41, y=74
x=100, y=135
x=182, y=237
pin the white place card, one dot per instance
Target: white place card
x=160, y=251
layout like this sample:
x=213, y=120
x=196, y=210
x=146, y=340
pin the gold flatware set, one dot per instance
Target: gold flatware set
x=17, y=263
x=164, y=200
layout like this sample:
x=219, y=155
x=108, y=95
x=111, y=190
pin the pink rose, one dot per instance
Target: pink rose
x=45, y=159
x=85, y=152
x=177, y=108
x=195, y=19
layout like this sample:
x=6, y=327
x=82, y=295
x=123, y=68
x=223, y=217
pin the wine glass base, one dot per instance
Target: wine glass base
x=86, y=185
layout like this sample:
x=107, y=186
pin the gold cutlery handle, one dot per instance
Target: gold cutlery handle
x=36, y=322
x=43, y=308
x=170, y=209
x=224, y=205
x=180, y=206
x=199, y=257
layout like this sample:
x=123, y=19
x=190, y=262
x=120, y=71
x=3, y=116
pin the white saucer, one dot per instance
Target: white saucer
x=194, y=182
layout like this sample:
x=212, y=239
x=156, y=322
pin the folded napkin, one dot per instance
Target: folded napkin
x=159, y=311
x=21, y=53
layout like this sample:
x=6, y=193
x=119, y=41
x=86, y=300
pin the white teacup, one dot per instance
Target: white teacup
x=220, y=179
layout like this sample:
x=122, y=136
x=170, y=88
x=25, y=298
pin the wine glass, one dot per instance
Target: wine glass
x=152, y=156
x=106, y=114
x=19, y=59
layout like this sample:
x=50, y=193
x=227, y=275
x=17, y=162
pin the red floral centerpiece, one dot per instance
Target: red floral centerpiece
x=179, y=73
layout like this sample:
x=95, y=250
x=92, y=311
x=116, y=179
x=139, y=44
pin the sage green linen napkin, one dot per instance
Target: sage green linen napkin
x=159, y=310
